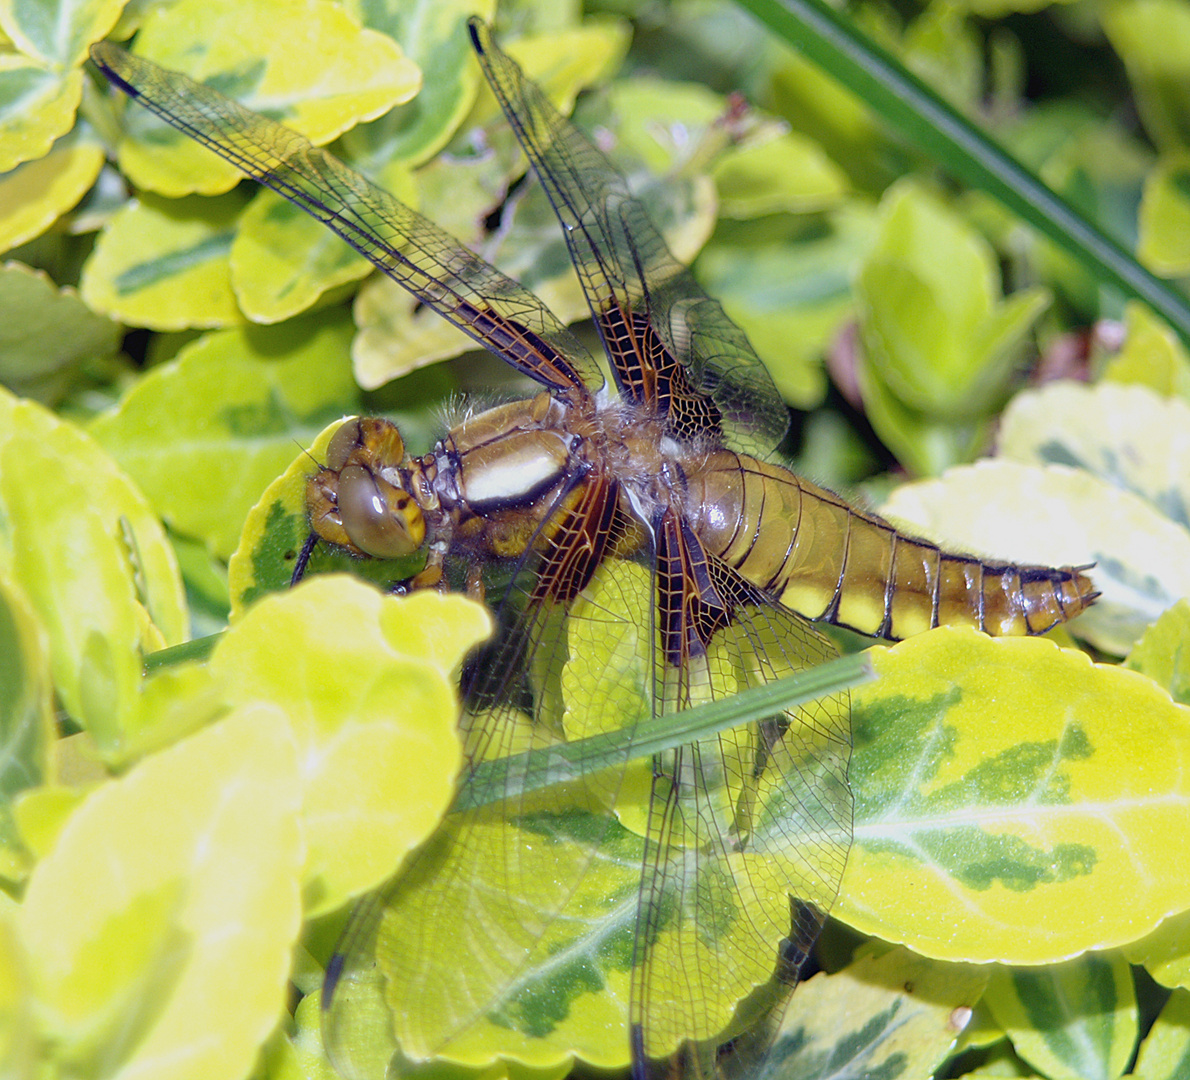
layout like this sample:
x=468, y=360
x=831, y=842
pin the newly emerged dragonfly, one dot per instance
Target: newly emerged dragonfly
x=648, y=555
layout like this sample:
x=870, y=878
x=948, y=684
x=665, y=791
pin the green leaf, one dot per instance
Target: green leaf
x=843, y=50
x=58, y=33
x=26, y=696
x=165, y=263
x=433, y=34
x=47, y=334
x=161, y=885
x=1013, y=802
x=1152, y=356
x=1165, y=1052
x=1058, y=516
x=1127, y=436
x=791, y=299
x=282, y=260
x=1163, y=652
x=92, y=559
x=1164, y=219
x=367, y=682
x=934, y=327
x=34, y=195
x=303, y=62
x=26, y=720
x=18, y=1032
x=205, y=434
x=1074, y=1021
x=889, y=1013
x=37, y=106
x=1152, y=37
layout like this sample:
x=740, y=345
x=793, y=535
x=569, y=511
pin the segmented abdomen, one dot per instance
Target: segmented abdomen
x=830, y=561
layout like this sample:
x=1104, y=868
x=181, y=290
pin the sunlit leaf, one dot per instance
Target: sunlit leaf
x=165, y=263
x=368, y=684
x=304, y=62
x=37, y=106
x=35, y=194
x=1014, y=802
x=1152, y=356
x=63, y=39
x=161, y=884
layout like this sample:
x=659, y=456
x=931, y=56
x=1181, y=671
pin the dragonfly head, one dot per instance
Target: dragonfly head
x=354, y=501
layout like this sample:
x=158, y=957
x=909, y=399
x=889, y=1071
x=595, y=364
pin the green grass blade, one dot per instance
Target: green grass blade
x=928, y=122
x=558, y=764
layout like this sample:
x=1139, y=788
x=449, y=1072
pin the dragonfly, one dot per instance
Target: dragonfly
x=643, y=551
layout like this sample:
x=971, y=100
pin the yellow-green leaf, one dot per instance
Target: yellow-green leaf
x=371, y=699
x=59, y=39
x=1013, y=801
x=304, y=62
x=788, y=173
x=92, y=559
x=433, y=34
x=205, y=434
x=283, y=260
x=34, y=195
x=1164, y=218
x=165, y=263
x=889, y=1013
x=1163, y=652
x=1152, y=356
x=1165, y=1052
x=1165, y=953
x=1152, y=37
x=1071, y=1021
x=1128, y=436
x=18, y=1033
x=172, y=892
x=46, y=334
x=1057, y=516
x=37, y=106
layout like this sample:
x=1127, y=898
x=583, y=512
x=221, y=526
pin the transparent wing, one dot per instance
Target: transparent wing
x=497, y=312
x=673, y=349
x=748, y=832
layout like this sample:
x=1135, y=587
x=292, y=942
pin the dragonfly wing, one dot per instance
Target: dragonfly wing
x=748, y=831
x=436, y=960
x=493, y=309
x=671, y=346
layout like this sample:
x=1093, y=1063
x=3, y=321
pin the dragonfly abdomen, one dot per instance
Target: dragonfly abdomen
x=829, y=561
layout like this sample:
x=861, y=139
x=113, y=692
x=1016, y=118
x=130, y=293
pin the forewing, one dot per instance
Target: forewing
x=748, y=831
x=497, y=312
x=670, y=345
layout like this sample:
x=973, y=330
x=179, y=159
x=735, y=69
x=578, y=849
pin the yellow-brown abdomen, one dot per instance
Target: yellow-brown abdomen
x=830, y=561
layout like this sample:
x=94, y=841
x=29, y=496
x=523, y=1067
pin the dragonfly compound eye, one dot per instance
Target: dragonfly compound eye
x=382, y=520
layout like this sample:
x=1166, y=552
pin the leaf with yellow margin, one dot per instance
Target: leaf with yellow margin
x=306, y=63
x=92, y=558
x=36, y=193
x=205, y=434
x=169, y=907
x=164, y=263
x=885, y=1014
x=1069, y=1020
x=1013, y=801
x=368, y=682
x=37, y=106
